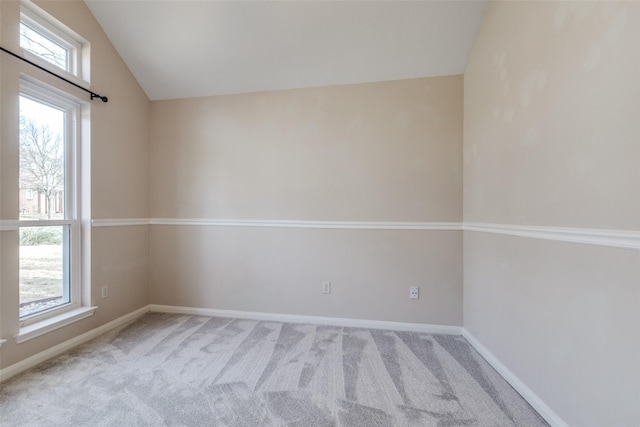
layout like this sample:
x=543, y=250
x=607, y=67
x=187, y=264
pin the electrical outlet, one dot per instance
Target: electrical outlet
x=326, y=287
x=105, y=292
x=414, y=292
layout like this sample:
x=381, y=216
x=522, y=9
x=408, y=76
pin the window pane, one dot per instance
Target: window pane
x=43, y=47
x=42, y=157
x=44, y=279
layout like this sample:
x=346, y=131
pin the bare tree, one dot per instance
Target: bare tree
x=41, y=160
x=43, y=47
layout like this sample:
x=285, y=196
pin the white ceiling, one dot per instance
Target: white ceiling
x=182, y=49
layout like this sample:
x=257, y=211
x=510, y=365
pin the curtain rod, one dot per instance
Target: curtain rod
x=93, y=94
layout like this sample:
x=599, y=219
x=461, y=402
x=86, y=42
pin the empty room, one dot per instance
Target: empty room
x=319, y=213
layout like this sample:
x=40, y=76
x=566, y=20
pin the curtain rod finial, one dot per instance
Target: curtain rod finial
x=102, y=98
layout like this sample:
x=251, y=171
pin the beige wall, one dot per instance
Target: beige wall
x=119, y=179
x=280, y=270
x=386, y=152
x=551, y=113
x=551, y=137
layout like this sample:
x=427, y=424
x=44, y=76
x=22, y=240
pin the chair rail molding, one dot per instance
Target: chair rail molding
x=628, y=239
x=353, y=225
x=120, y=222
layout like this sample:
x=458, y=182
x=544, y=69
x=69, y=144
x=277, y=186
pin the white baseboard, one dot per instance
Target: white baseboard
x=538, y=404
x=32, y=361
x=315, y=320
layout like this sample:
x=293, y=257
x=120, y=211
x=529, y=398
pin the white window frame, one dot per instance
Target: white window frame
x=72, y=255
x=47, y=26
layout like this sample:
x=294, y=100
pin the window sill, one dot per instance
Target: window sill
x=51, y=324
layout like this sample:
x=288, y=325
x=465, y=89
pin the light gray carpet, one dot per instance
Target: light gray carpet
x=180, y=370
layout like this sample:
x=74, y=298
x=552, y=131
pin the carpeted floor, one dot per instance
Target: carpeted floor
x=181, y=370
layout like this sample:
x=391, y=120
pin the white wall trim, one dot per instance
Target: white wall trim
x=32, y=361
x=538, y=404
x=124, y=222
x=39, y=328
x=629, y=239
x=314, y=320
x=354, y=225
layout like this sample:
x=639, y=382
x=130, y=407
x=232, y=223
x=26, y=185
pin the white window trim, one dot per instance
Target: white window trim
x=64, y=314
x=27, y=333
x=49, y=27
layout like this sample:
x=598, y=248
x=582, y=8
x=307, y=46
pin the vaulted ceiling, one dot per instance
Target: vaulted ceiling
x=182, y=49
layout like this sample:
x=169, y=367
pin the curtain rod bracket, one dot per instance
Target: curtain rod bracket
x=102, y=98
x=93, y=94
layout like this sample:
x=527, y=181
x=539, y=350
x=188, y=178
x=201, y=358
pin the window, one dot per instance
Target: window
x=49, y=255
x=45, y=48
x=50, y=44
